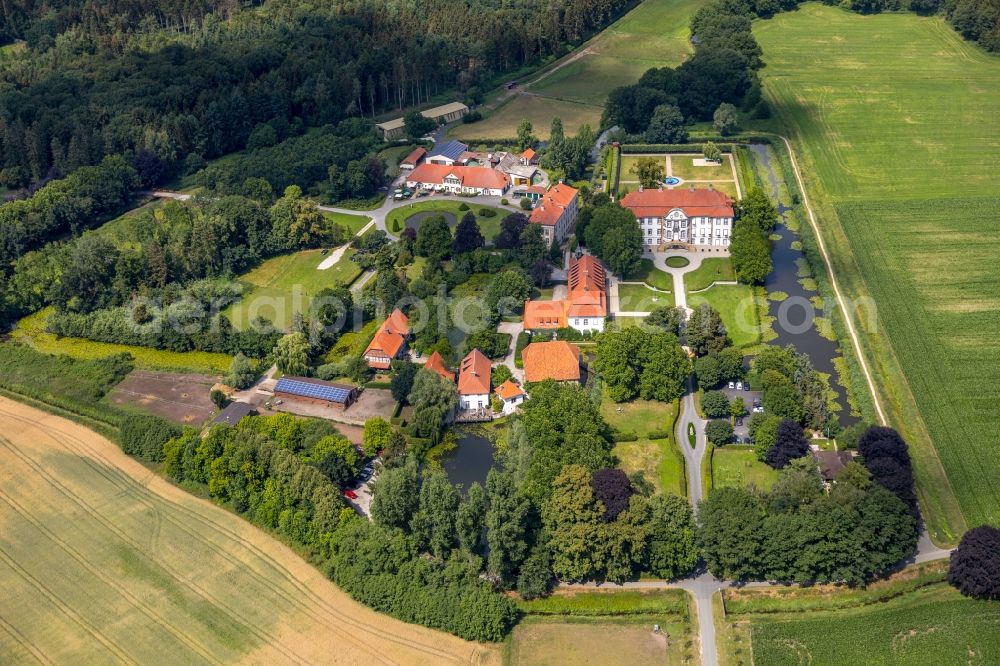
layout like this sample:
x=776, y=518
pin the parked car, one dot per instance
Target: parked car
x=732, y=385
x=350, y=494
x=739, y=421
x=758, y=410
x=739, y=386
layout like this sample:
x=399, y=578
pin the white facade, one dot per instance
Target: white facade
x=511, y=404
x=474, y=401
x=585, y=324
x=675, y=226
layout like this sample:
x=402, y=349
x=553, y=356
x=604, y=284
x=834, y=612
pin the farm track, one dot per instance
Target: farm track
x=261, y=569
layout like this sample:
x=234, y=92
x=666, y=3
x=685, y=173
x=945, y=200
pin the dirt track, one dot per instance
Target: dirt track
x=102, y=560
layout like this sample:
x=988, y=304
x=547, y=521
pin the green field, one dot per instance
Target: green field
x=893, y=118
x=738, y=307
x=934, y=625
x=283, y=285
x=738, y=467
x=606, y=627
x=654, y=34
x=395, y=221
x=31, y=331
x=640, y=298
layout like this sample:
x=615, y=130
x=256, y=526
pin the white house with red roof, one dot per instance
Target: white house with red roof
x=556, y=212
x=458, y=179
x=685, y=217
x=585, y=308
x=474, y=375
x=511, y=395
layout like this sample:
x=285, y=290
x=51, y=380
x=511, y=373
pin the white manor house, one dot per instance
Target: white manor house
x=685, y=218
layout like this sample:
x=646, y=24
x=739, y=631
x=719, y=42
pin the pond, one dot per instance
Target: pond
x=470, y=461
x=413, y=221
x=794, y=316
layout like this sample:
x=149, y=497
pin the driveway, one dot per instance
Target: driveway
x=514, y=329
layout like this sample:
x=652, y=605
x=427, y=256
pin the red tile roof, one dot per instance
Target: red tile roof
x=694, y=202
x=509, y=390
x=436, y=363
x=552, y=204
x=389, y=338
x=529, y=154
x=558, y=360
x=474, y=374
x=478, y=177
x=587, y=297
x=414, y=157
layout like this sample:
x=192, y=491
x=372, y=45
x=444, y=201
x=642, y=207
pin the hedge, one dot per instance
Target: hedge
x=658, y=434
x=624, y=436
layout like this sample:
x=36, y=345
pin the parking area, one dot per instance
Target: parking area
x=750, y=398
x=181, y=398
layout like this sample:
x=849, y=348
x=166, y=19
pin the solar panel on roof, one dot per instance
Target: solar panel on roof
x=310, y=390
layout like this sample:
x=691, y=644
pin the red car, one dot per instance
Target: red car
x=350, y=494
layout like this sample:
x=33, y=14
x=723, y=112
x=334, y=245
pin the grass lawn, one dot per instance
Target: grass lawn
x=654, y=34
x=31, y=331
x=283, y=285
x=467, y=308
x=737, y=306
x=353, y=343
x=640, y=298
x=715, y=269
x=893, y=119
x=677, y=262
x=658, y=460
x=394, y=155
x=737, y=467
x=652, y=276
x=120, y=231
x=353, y=223
x=683, y=167
x=489, y=226
x=630, y=161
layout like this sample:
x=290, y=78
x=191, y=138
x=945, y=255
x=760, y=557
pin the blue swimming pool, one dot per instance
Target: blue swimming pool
x=672, y=180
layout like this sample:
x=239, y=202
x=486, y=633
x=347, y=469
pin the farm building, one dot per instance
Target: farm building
x=585, y=307
x=556, y=212
x=529, y=157
x=316, y=392
x=557, y=360
x=395, y=128
x=413, y=159
x=389, y=341
x=685, y=218
x=448, y=153
x=831, y=463
x=234, y=413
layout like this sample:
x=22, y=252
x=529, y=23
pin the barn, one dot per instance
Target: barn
x=316, y=392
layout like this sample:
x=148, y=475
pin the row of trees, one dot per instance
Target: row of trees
x=750, y=248
x=796, y=532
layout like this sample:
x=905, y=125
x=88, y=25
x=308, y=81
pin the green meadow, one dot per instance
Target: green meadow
x=893, y=120
x=654, y=34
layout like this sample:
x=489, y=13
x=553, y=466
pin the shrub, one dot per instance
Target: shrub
x=658, y=434
x=487, y=212
x=503, y=201
x=715, y=404
x=624, y=436
x=463, y=206
x=525, y=203
x=719, y=432
x=975, y=564
x=143, y=436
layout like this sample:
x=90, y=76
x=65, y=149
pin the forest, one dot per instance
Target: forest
x=187, y=82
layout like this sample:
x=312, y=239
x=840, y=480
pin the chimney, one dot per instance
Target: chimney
x=711, y=186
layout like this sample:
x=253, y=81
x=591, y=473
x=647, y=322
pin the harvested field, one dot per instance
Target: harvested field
x=546, y=642
x=176, y=397
x=104, y=561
